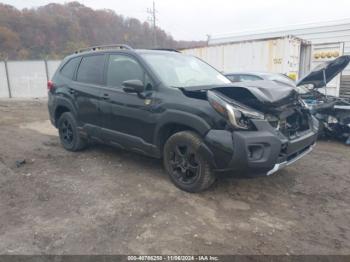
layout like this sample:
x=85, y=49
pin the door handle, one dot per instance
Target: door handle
x=105, y=96
x=72, y=91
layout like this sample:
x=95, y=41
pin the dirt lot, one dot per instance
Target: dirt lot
x=107, y=201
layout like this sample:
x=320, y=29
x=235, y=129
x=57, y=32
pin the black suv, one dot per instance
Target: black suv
x=168, y=105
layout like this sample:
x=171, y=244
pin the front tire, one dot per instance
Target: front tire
x=68, y=133
x=187, y=168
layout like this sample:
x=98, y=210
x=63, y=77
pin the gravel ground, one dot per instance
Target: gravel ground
x=107, y=201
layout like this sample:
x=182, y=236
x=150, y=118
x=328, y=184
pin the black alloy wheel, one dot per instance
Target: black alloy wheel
x=187, y=167
x=66, y=132
x=184, y=163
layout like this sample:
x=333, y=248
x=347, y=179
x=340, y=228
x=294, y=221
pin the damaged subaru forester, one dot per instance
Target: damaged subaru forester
x=172, y=106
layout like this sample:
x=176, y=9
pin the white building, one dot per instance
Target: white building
x=291, y=50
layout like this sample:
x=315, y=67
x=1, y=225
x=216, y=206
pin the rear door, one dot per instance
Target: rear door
x=127, y=117
x=87, y=91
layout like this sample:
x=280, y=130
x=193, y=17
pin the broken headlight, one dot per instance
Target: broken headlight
x=237, y=114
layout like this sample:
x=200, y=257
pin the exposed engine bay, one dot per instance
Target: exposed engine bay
x=288, y=115
x=284, y=110
x=332, y=112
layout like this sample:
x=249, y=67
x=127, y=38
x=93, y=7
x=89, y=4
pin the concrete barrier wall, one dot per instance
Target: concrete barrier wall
x=27, y=79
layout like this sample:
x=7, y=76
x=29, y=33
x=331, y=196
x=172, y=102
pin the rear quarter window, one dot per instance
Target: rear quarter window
x=68, y=69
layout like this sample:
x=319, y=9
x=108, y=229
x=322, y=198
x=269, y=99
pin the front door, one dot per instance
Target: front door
x=128, y=120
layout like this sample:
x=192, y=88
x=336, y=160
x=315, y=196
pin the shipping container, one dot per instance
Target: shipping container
x=321, y=53
x=278, y=49
x=278, y=55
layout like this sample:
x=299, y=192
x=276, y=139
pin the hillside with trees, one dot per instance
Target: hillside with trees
x=55, y=30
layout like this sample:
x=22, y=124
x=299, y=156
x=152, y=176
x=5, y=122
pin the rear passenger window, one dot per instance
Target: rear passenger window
x=122, y=68
x=91, y=70
x=68, y=69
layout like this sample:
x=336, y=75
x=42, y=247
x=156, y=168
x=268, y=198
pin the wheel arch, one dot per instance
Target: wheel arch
x=176, y=121
x=63, y=105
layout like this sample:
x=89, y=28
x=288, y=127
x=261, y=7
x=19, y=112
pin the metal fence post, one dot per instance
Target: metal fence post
x=8, y=78
x=47, y=70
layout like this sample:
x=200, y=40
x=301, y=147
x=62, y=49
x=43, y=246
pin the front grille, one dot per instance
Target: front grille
x=297, y=122
x=292, y=124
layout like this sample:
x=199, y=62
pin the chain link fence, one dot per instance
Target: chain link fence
x=26, y=79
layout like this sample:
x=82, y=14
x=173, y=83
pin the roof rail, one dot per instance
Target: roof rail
x=167, y=49
x=102, y=47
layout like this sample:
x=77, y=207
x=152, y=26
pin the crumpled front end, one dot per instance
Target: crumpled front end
x=262, y=151
x=286, y=133
x=266, y=130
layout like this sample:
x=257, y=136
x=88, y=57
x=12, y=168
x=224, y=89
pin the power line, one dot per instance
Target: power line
x=153, y=19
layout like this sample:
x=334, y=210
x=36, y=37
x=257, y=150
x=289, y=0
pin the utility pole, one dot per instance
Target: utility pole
x=208, y=39
x=153, y=19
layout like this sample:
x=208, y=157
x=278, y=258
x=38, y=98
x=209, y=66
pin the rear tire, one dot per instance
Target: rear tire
x=68, y=133
x=187, y=168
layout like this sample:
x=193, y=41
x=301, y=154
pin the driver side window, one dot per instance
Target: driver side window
x=122, y=68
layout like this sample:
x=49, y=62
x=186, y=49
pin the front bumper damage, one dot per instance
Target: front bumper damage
x=261, y=152
x=284, y=164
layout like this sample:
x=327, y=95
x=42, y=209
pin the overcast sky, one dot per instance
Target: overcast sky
x=194, y=19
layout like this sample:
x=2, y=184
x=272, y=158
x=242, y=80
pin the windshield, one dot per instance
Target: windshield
x=177, y=70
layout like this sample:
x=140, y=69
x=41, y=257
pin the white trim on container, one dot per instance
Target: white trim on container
x=340, y=28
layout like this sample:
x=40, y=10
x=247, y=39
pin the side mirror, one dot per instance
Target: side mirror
x=133, y=86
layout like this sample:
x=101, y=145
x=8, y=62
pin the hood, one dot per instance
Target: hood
x=268, y=91
x=265, y=91
x=324, y=73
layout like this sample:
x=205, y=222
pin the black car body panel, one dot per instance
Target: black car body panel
x=141, y=122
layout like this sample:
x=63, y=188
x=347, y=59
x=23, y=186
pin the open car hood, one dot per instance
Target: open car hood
x=324, y=73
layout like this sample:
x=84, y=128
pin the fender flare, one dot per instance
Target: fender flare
x=194, y=122
x=62, y=101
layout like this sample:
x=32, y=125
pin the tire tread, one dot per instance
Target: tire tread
x=207, y=176
x=79, y=143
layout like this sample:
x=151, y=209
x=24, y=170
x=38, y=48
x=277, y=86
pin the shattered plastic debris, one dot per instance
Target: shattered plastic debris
x=20, y=163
